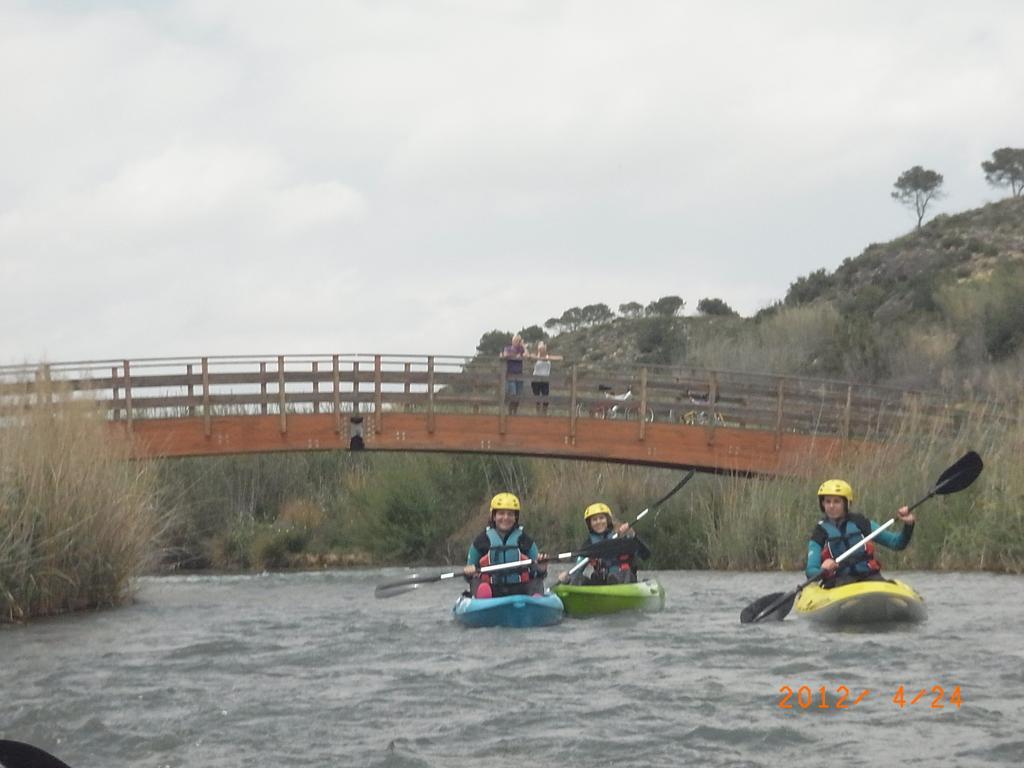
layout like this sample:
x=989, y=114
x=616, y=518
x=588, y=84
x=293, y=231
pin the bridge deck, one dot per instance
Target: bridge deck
x=663, y=416
x=716, y=450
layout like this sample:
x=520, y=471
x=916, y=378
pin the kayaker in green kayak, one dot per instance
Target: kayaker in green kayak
x=839, y=529
x=612, y=570
x=505, y=541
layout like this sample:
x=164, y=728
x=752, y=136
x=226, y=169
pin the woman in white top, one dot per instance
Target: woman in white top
x=541, y=374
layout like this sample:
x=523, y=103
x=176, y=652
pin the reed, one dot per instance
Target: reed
x=77, y=519
x=765, y=523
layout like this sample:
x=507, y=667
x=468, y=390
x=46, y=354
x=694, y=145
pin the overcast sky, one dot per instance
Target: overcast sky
x=204, y=177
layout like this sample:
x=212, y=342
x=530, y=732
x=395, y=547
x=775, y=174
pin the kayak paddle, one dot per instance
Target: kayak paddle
x=582, y=563
x=778, y=604
x=608, y=548
x=18, y=754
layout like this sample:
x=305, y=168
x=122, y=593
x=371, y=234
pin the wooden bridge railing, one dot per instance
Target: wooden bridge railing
x=350, y=385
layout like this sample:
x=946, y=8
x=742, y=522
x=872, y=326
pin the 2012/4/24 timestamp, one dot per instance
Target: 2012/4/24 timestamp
x=805, y=697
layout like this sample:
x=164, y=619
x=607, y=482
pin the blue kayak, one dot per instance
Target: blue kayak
x=511, y=611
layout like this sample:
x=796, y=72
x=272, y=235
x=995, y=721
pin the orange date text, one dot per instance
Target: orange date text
x=843, y=697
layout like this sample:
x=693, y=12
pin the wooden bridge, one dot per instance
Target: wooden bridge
x=715, y=421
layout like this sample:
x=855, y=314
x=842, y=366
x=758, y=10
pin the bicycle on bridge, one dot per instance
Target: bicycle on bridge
x=612, y=405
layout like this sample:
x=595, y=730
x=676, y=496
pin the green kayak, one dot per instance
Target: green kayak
x=586, y=600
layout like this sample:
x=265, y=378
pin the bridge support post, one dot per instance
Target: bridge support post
x=207, y=426
x=355, y=431
x=430, y=395
x=316, y=387
x=115, y=390
x=263, y=388
x=336, y=381
x=407, y=387
x=281, y=400
x=355, y=386
x=378, y=409
x=128, y=393
x=190, y=409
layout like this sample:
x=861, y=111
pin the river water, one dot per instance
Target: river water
x=309, y=669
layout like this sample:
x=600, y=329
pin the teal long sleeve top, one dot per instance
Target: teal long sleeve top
x=889, y=539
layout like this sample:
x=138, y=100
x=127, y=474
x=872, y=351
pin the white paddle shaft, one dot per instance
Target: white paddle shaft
x=865, y=540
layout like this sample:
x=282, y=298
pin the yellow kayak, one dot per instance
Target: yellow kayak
x=862, y=602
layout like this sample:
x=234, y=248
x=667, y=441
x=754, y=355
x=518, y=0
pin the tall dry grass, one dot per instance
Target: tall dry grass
x=77, y=518
x=765, y=523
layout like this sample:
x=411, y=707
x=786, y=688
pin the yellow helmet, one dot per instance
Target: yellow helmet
x=836, y=488
x=599, y=508
x=505, y=501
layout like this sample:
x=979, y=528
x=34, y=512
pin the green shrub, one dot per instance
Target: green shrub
x=272, y=546
x=404, y=508
x=660, y=339
x=804, y=290
x=214, y=495
x=233, y=549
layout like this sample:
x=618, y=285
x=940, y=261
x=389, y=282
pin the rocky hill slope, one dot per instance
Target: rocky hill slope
x=941, y=307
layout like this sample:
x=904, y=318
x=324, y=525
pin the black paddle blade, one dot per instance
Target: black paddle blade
x=17, y=754
x=611, y=548
x=964, y=472
x=672, y=493
x=773, y=607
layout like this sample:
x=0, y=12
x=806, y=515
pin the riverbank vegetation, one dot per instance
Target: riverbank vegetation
x=316, y=510
x=77, y=519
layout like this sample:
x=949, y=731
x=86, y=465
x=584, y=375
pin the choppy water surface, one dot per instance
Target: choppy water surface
x=311, y=670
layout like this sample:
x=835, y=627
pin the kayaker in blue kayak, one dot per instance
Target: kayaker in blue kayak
x=505, y=541
x=610, y=570
x=839, y=529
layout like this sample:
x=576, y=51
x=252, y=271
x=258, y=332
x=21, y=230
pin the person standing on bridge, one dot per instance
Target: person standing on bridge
x=505, y=541
x=513, y=355
x=839, y=529
x=540, y=383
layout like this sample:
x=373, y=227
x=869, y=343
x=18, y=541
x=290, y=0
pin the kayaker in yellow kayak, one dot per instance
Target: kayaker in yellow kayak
x=505, y=541
x=611, y=570
x=839, y=529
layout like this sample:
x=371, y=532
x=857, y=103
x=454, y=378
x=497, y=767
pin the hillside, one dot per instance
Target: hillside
x=896, y=279
x=940, y=307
